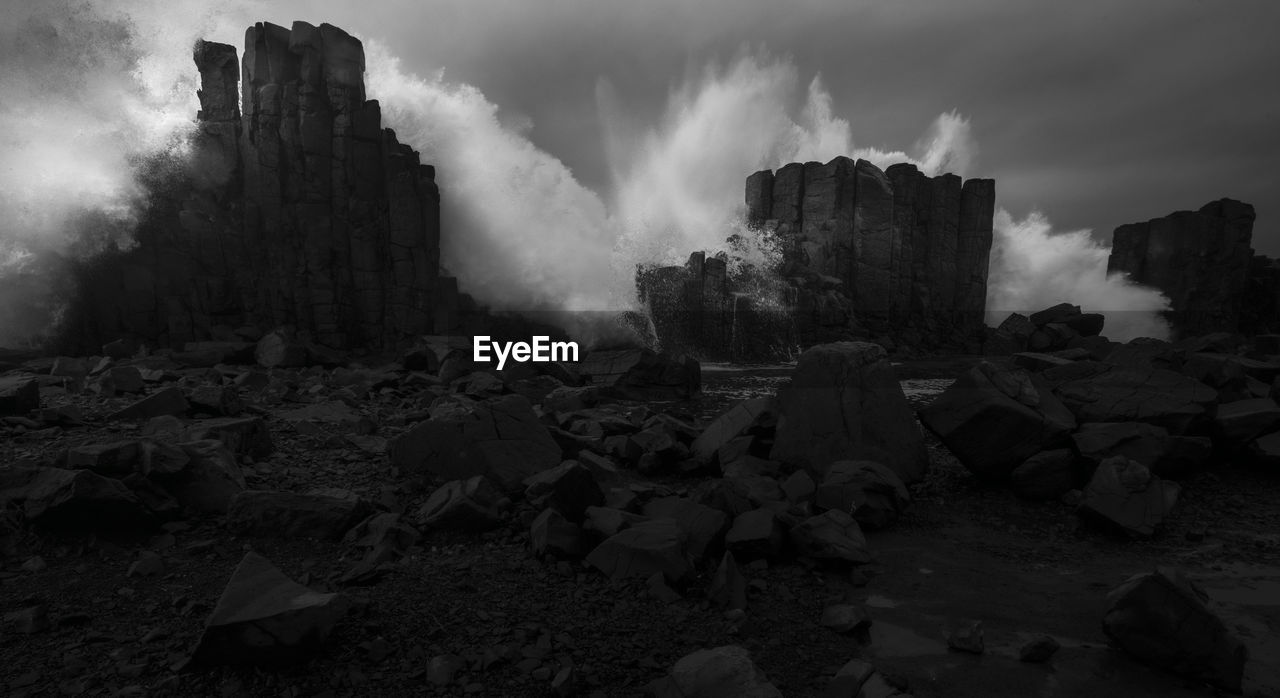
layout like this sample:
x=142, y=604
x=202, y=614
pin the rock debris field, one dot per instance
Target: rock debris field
x=263, y=517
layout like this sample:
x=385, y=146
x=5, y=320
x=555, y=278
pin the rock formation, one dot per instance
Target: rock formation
x=866, y=253
x=1199, y=259
x=300, y=211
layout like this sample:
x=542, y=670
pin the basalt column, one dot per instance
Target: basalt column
x=1199, y=259
x=910, y=250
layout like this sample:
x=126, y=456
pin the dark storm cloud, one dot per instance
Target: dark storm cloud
x=1096, y=112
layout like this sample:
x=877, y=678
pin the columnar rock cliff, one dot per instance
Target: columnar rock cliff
x=867, y=253
x=911, y=250
x=300, y=211
x=1199, y=259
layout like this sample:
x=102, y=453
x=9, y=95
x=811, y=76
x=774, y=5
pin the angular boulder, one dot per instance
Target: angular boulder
x=1237, y=423
x=72, y=499
x=474, y=504
x=702, y=528
x=994, y=419
x=265, y=618
x=1163, y=619
x=500, y=438
x=1123, y=495
x=832, y=536
x=844, y=402
x=1046, y=475
x=870, y=491
x=641, y=550
x=641, y=374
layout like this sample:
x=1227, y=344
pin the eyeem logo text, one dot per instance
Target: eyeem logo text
x=540, y=350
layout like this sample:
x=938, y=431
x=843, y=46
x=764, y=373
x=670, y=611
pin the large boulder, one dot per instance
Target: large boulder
x=715, y=673
x=641, y=374
x=1123, y=495
x=733, y=423
x=833, y=536
x=994, y=419
x=870, y=491
x=642, y=550
x=1237, y=423
x=500, y=438
x=844, y=402
x=1101, y=392
x=1162, y=618
x=1046, y=475
x=265, y=618
x=1165, y=454
x=702, y=528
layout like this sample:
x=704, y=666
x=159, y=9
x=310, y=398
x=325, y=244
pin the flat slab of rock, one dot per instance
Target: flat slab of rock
x=1166, y=454
x=1162, y=618
x=1098, y=392
x=265, y=618
x=1125, y=496
x=321, y=513
x=1242, y=421
x=844, y=402
x=733, y=423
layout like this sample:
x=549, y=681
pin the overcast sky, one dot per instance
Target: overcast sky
x=1097, y=112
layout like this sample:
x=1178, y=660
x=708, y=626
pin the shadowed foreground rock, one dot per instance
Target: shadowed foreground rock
x=844, y=402
x=263, y=617
x=1124, y=495
x=715, y=673
x=1161, y=618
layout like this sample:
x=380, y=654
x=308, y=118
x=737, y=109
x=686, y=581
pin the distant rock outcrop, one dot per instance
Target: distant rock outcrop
x=300, y=211
x=1199, y=259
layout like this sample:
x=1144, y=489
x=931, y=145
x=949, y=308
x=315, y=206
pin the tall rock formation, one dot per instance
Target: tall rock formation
x=1199, y=259
x=868, y=253
x=911, y=250
x=302, y=211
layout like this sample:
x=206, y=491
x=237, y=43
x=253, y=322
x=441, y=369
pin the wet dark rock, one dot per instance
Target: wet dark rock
x=607, y=521
x=1123, y=495
x=265, y=618
x=1162, y=618
x=870, y=491
x=848, y=681
x=1046, y=475
x=326, y=513
x=216, y=401
x=474, y=504
x=714, y=673
x=735, y=422
x=500, y=438
x=569, y=488
x=247, y=436
x=113, y=459
x=209, y=479
x=844, y=402
x=994, y=419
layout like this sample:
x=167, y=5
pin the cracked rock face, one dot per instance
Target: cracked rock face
x=1162, y=618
